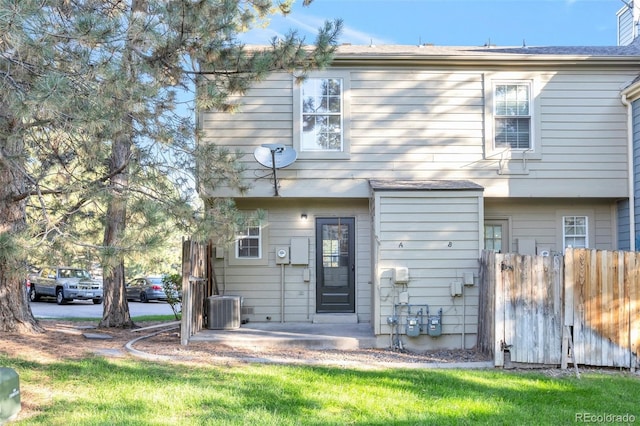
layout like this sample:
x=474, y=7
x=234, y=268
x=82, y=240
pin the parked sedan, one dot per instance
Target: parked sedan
x=145, y=289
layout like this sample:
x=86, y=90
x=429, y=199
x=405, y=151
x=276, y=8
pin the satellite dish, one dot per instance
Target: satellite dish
x=275, y=155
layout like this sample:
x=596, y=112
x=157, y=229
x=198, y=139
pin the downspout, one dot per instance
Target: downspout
x=632, y=201
x=632, y=206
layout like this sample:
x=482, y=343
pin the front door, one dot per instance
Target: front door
x=335, y=265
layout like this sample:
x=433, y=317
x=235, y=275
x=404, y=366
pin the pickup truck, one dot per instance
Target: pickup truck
x=65, y=284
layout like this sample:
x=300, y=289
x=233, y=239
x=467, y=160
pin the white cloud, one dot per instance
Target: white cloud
x=307, y=26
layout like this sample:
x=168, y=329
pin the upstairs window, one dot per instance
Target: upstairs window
x=575, y=231
x=322, y=115
x=512, y=115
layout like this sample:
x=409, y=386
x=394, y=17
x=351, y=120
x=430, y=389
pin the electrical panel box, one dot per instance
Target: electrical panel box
x=527, y=246
x=300, y=251
x=219, y=253
x=306, y=275
x=400, y=275
x=282, y=255
x=456, y=288
x=403, y=297
x=467, y=278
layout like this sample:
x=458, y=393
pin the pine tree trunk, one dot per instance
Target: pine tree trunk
x=15, y=312
x=116, y=308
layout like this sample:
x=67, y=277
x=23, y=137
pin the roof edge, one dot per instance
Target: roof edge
x=424, y=185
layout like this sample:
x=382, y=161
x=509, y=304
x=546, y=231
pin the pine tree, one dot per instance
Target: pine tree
x=88, y=123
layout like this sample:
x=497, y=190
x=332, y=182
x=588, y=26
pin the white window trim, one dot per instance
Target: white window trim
x=262, y=259
x=500, y=220
x=346, y=124
x=591, y=227
x=564, y=235
x=507, y=153
x=250, y=237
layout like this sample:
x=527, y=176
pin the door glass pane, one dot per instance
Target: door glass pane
x=335, y=246
x=493, y=237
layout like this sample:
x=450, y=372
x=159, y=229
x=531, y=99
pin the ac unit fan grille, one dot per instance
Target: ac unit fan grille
x=224, y=312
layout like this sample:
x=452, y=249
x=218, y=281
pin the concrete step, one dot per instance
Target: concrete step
x=335, y=319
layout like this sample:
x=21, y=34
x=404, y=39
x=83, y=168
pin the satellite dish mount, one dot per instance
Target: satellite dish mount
x=275, y=156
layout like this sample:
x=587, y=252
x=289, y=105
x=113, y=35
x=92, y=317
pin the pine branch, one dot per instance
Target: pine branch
x=102, y=179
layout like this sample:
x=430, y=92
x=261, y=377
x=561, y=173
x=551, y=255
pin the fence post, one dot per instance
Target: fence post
x=567, y=318
x=185, y=323
x=498, y=351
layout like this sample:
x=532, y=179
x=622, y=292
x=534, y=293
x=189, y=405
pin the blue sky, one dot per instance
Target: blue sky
x=456, y=22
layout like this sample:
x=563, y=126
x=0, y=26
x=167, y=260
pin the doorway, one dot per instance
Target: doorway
x=496, y=235
x=335, y=265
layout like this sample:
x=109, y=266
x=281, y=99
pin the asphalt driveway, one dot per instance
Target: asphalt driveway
x=86, y=309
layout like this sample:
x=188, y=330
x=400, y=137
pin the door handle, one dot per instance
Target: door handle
x=353, y=267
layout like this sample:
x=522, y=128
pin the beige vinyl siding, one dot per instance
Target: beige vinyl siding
x=414, y=106
x=583, y=125
x=436, y=235
x=260, y=285
x=541, y=220
x=430, y=124
x=264, y=116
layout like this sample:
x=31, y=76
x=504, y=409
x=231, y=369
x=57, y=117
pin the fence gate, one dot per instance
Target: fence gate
x=528, y=308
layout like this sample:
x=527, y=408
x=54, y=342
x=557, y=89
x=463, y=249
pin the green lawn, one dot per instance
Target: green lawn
x=104, y=391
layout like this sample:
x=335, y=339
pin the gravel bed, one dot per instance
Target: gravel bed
x=168, y=345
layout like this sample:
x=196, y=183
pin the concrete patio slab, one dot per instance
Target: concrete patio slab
x=303, y=335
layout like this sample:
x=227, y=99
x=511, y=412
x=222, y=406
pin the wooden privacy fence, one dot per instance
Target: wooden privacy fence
x=582, y=308
x=197, y=284
x=602, y=306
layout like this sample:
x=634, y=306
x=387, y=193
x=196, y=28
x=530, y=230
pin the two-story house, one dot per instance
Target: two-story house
x=397, y=165
x=628, y=20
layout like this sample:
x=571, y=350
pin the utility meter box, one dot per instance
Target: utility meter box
x=413, y=327
x=219, y=253
x=9, y=394
x=468, y=278
x=434, y=326
x=400, y=275
x=456, y=288
x=282, y=255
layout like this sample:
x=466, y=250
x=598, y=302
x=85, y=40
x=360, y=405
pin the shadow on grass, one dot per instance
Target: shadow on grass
x=97, y=390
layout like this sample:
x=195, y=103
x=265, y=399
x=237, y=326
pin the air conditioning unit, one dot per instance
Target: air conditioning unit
x=223, y=312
